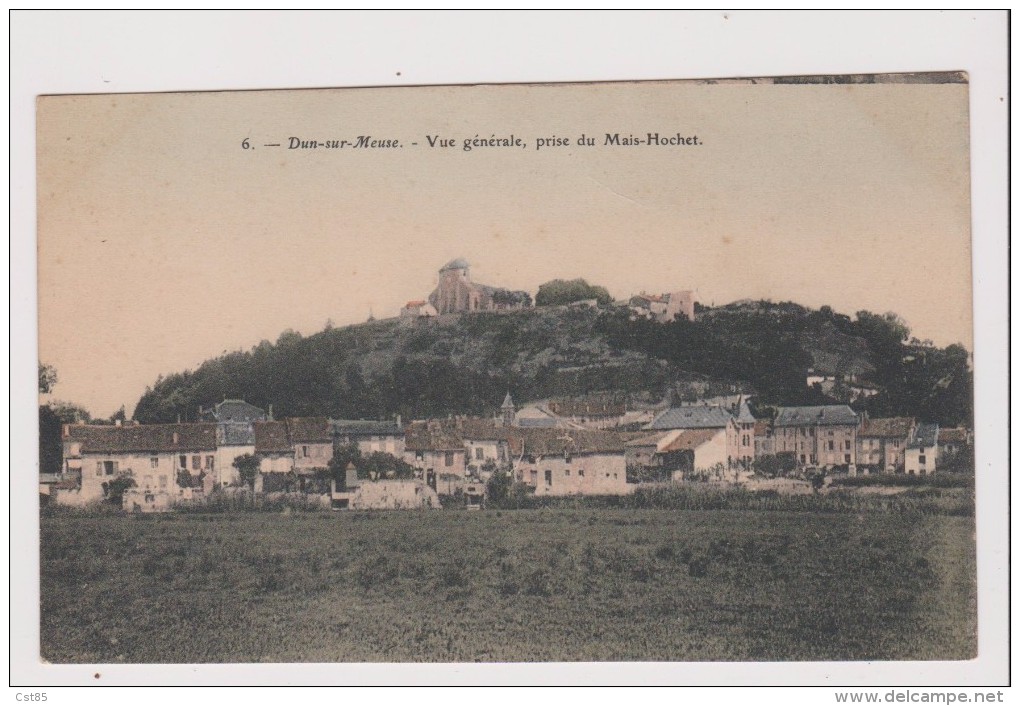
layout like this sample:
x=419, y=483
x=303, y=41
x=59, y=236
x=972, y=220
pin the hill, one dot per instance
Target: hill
x=464, y=364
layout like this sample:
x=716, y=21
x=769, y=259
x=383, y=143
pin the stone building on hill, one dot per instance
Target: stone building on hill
x=457, y=294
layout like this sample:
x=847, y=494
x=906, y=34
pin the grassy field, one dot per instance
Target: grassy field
x=552, y=584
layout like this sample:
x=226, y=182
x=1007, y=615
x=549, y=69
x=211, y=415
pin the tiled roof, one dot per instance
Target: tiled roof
x=432, y=435
x=887, y=427
x=953, y=436
x=365, y=427
x=822, y=415
x=647, y=439
x=537, y=423
x=143, y=437
x=271, y=437
x=693, y=417
x=546, y=442
x=419, y=302
x=313, y=430
x=691, y=439
x=925, y=436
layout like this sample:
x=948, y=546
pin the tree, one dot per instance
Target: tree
x=47, y=378
x=497, y=489
x=115, y=488
x=559, y=291
x=247, y=466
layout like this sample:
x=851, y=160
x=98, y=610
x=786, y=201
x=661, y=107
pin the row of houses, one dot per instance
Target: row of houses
x=558, y=448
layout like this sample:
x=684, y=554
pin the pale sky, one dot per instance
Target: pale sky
x=163, y=243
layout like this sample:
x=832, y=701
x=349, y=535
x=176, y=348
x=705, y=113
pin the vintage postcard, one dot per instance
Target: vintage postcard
x=673, y=371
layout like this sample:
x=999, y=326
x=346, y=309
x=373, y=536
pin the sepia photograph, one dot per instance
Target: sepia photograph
x=667, y=373
x=632, y=371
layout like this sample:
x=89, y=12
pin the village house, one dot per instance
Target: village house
x=679, y=455
x=882, y=442
x=823, y=435
x=456, y=293
x=954, y=440
x=571, y=462
x=235, y=435
x=370, y=436
x=273, y=447
x=922, y=450
x=437, y=452
x=293, y=453
x=163, y=460
x=417, y=309
x=739, y=434
x=663, y=307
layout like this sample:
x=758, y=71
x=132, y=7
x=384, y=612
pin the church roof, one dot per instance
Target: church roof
x=508, y=402
x=458, y=264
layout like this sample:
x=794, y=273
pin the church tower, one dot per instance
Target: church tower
x=508, y=410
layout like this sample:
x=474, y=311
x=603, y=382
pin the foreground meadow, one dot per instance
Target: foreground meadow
x=550, y=584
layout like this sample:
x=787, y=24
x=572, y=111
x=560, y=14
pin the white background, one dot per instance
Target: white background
x=63, y=52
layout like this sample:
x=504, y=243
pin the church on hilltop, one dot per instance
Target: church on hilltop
x=457, y=294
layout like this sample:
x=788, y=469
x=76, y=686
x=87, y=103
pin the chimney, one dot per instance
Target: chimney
x=270, y=412
x=118, y=422
x=399, y=425
x=65, y=430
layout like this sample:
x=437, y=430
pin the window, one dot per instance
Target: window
x=304, y=452
x=449, y=458
x=99, y=468
x=813, y=460
x=846, y=458
x=162, y=481
x=534, y=477
x=803, y=458
x=419, y=455
x=831, y=433
x=832, y=445
x=182, y=461
x=210, y=462
x=479, y=453
x=580, y=473
x=548, y=477
x=921, y=459
x=567, y=473
x=109, y=467
x=567, y=458
x=847, y=445
x=196, y=463
x=154, y=462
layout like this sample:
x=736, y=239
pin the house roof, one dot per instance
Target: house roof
x=415, y=303
x=366, y=427
x=272, y=437
x=547, y=442
x=234, y=411
x=820, y=415
x=647, y=439
x=953, y=436
x=456, y=264
x=887, y=427
x=537, y=423
x=744, y=415
x=508, y=402
x=432, y=435
x=310, y=430
x=693, y=417
x=761, y=427
x=143, y=437
x=691, y=439
x=925, y=436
